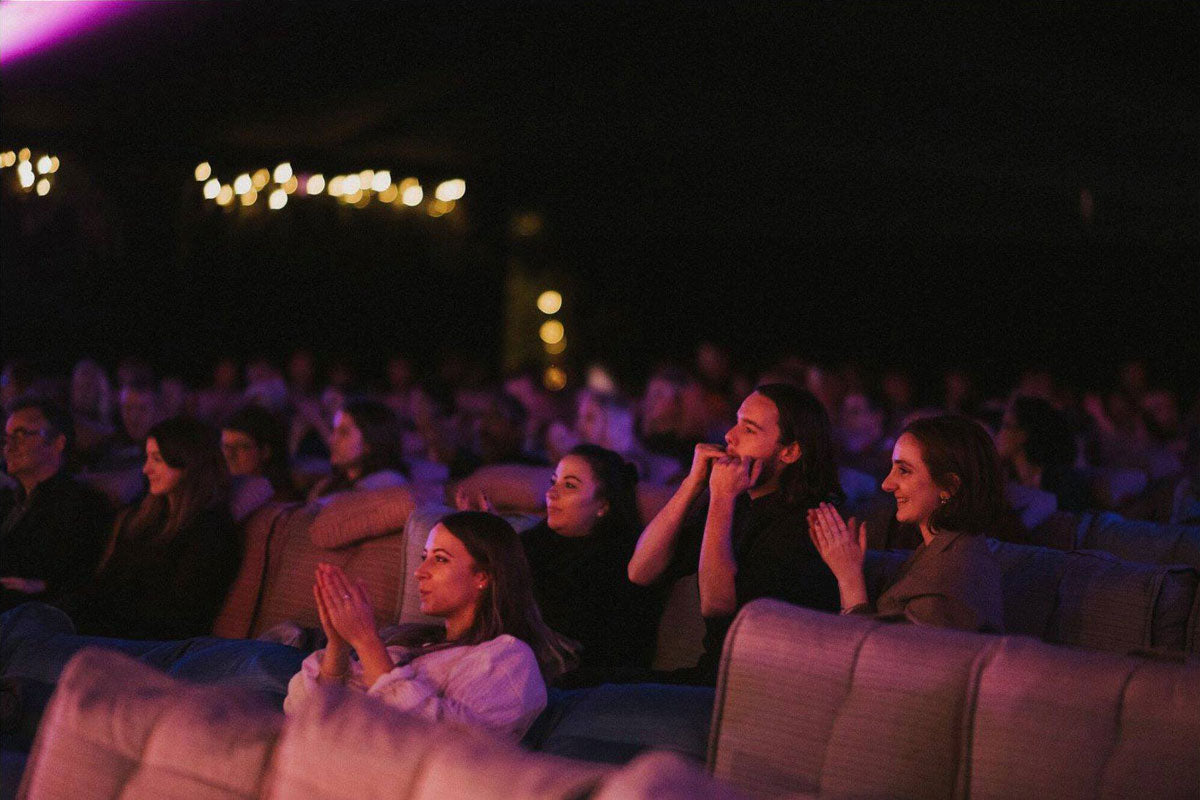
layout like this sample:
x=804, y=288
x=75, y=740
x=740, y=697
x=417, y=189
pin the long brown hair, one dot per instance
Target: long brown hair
x=813, y=478
x=194, y=448
x=954, y=446
x=506, y=605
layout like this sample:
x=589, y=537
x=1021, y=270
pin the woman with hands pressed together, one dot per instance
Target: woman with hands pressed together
x=486, y=665
x=946, y=480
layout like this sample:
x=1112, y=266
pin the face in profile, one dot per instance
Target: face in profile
x=917, y=494
x=163, y=478
x=29, y=445
x=242, y=454
x=448, y=580
x=346, y=448
x=573, y=504
x=1010, y=438
x=755, y=435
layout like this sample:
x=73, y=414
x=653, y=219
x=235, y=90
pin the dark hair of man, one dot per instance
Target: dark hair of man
x=955, y=446
x=1049, y=442
x=267, y=431
x=506, y=605
x=193, y=447
x=813, y=478
x=58, y=421
x=616, y=482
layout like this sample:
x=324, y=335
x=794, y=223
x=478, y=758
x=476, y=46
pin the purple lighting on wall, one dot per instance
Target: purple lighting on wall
x=28, y=27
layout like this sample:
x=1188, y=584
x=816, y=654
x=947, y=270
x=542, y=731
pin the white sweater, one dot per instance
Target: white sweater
x=495, y=685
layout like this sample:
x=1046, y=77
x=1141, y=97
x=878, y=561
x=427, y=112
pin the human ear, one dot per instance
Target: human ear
x=790, y=454
x=950, y=486
x=603, y=509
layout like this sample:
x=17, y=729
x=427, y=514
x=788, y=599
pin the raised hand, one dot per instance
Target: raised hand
x=346, y=607
x=466, y=500
x=702, y=460
x=732, y=475
x=839, y=543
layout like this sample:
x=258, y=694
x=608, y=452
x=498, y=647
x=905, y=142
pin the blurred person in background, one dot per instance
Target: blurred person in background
x=92, y=405
x=365, y=450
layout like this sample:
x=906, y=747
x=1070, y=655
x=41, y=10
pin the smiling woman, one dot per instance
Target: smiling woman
x=486, y=665
x=946, y=480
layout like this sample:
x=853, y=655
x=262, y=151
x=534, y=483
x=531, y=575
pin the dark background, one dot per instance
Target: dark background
x=889, y=183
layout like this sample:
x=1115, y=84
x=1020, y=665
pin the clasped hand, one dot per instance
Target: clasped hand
x=343, y=606
x=732, y=475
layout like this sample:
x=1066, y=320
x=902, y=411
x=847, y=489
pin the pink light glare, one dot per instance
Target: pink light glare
x=28, y=26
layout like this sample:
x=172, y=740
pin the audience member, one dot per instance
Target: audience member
x=1037, y=445
x=252, y=442
x=946, y=479
x=365, y=450
x=485, y=666
x=175, y=553
x=92, y=402
x=744, y=539
x=53, y=529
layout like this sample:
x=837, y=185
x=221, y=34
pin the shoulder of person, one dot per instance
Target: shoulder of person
x=383, y=479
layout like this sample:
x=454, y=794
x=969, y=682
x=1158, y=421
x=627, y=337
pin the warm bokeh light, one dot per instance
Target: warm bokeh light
x=8, y=158
x=212, y=189
x=316, y=184
x=54, y=164
x=389, y=193
x=364, y=179
x=203, y=171
x=277, y=199
x=261, y=178
x=291, y=185
x=43, y=165
x=551, y=331
x=451, y=190
x=549, y=302
x=242, y=184
x=43, y=187
x=557, y=348
x=412, y=195
x=249, y=197
x=352, y=184
x=225, y=196
x=283, y=172
x=381, y=180
x=25, y=174
x=355, y=196
x=337, y=186
x=555, y=379
x=24, y=154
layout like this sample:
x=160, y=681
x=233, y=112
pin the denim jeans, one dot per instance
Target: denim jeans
x=37, y=641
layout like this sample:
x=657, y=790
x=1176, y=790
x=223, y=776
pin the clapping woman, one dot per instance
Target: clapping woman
x=946, y=479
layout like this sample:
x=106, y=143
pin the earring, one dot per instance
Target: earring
x=945, y=499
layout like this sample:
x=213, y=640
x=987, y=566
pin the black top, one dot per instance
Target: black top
x=164, y=590
x=56, y=534
x=775, y=558
x=582, y=587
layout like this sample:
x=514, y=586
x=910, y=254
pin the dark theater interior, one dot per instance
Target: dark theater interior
x=606, y=400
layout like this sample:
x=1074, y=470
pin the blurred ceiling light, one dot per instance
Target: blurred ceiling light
x=242, y=184
x=25, y=174
x=389, y=193
x=440, y=208
x=43, y=165
x=412, y=195
x=43, y=187
x=557, y=348
x=54, y=164
x=225, y=196
x=24, y=154
x=261, y=178
x=451, y=190
x=283, y=172
x=337, y=186
x=277, y=199
x=551, y=331
x=365, y=177
x=363, y=200
x=212, y=189
x=249, y=197
x=381, y=180
x=352, y=197
x=549, y=302
x=291, y=185
x=352, y=184
x=555, y=379
x=8, y=158
x=203, y=171
x=316, y=184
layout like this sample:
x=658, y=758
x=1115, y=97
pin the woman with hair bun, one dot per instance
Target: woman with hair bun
x=947, y=481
